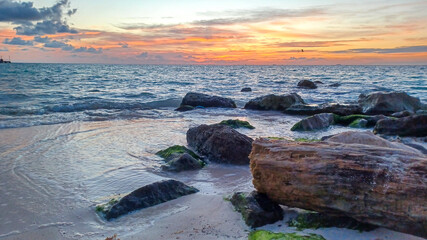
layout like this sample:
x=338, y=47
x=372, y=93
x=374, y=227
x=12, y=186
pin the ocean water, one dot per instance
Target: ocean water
x=72, y=135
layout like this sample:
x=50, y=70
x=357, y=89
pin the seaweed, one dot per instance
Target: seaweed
x=267, y=235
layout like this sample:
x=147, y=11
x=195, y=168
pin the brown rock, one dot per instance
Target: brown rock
x=415, y=126
x=377, y=185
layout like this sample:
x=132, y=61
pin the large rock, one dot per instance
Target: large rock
x=336, y=108
x=377, y=185
x=307, y=84
x=274, y=102
x=149, y=195
x=257, y=209
x=415, y=126
x=318, y=121
x=182, y=162
x=220, y=143
x=388, y=103
x=204, y=100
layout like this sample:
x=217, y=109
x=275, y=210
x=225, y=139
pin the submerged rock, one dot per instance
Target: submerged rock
x=415, y=126
x=314, y=220
x=388, y=103
x=274, y=102
x=336, y=108
x=236, y=123
x=179, y=158
x=220, y=143
x=149, y=195
x=307, y=84
x=184, y=108
x=267, y=235
x=246, y=89
x=183, y=162
x=361, y=181
x=335, y=85
x=204, y=100
x=318, y=121
x=256, y=208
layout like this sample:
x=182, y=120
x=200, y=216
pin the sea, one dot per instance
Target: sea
x=74, y=135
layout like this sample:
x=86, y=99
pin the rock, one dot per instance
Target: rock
x=376, y=185
x=149, y=195
x=335, y=85
x=336, y=108
x=183, y=162
x=267, y=235
x=220, y=143
x=415, y=126
x=367, y=138
x=236, y=123
x=274, y=102
x=402, y=114
x=314, y=220
x=172, y=152
x=307, y=84
x=421, y=112
x=318, y=121
x=257, y=209
x=246, y=89
x=354, y=120
x=184, y=108
x=388, y=103
x=359, y=123
x=318, y=82
x=204, y=100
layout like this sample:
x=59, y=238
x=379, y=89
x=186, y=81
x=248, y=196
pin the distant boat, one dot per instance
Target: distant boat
x=4, y=61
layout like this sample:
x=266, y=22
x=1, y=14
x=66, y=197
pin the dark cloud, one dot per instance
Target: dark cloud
x=123, y=45
x=17, y=41
x=410, y=49
x=49, y=43
x=37, y=21
x=41, y=39
x=142, y=55
x=88, y=50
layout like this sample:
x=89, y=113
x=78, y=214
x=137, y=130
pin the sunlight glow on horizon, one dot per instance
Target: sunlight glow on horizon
x=220, y=32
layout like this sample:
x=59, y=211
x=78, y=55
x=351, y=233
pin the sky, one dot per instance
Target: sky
x=221, y=32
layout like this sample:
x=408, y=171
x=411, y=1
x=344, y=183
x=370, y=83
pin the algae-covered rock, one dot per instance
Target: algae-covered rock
x=183, y=162
x=149, y=195
x=103, y=208
x=267, y=235
x=314, y=220
x=176, y=149
x=256, y=208
x=236, y=123
x=359, y=123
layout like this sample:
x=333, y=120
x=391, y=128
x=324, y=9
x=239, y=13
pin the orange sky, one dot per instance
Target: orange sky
x=392, y=32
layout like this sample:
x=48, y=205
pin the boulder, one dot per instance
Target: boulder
x=307, y=84
x=336, y=108
x=246, y=89
x=220, y=143
x=274, y=102
x=388, y=103
x=149, y=195
x=236, y=123
x=204, y=100
x=415, y=126
x=402, y=114
x=376, y=185
x=183, y=162
x=318, y=121
x=257, y=209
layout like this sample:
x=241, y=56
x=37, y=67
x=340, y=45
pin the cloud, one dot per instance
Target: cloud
x=142, y=55
x=316, y=43
x=17, y=41
x=37, y=21
x=410, y=49
x=4, y=50
x=41, y=39
x=88, y=50
x=48, y=43
x=123, y=45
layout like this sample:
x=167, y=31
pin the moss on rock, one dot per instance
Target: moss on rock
x=346, y=120
x=177, y=149
x=267, y=235
x=103, y=208
x=236, y=123
x=306, y=140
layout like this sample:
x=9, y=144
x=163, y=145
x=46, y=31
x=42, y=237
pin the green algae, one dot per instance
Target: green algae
x=267, y=235
x=346, y=120
x=297, y=126
x=306, y=140
x=236, y=123
x=177, y=149
x=105, y=207
x=275, y=138
x=358, y=123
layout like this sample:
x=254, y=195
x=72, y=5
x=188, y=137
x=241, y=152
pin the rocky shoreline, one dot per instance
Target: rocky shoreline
x=352, y=179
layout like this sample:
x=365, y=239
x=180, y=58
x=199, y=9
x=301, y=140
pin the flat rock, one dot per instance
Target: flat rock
x=149, y=195
x=204, y=100
x=256, y=208
x=220, y=143
x=388, y=103
x=274, y=102
x=415, y=126
x=336, y=108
